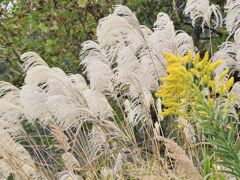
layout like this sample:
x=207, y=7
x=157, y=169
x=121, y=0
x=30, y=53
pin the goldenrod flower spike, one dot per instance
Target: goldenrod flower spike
x=224, y=74
x=196, y=58
x=204, y=80
x=170, y=58
x=212, y=84
x=183, y=84
x=176, y=84
x=187, y=58
x=213, y=66
x=205, y=58
x=204, y=61
x=195, y=72
x=225, y=88
x=229, y=83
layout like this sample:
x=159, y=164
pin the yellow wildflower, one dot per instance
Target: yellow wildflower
x=170, y=58
x=187, y=58
x=229, y=83
x=204, y=80
x=196, y=58
x=212, y=84
x=221, y=89
x=202, y=63
x=214, y=65
x=195, y=72
x=224, y=74
x=187, y=76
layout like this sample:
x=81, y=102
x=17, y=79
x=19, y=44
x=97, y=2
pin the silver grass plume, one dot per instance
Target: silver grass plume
x=146, y=31
x=183, y=165
x=236, y=102
x=66, y=175
x=201, y=9
x=68, y=98
x=237, y=46
x=5, y=170
x=59, y=94
x=121, y=29
x=34, y=102
x=163, y=37
x=126, y=49
x=17, y=157
x=31, y=59
x=232, y=20
x=227, y=53
x=71, y=163
x=70, y=102
x=129, y=73
x=11, y=111
x=166, y=39
x=184, y=43
x=97, y=67
x=98, y=104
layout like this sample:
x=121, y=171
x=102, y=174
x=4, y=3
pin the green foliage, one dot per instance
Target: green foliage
x=56, y=29
x=220, y=131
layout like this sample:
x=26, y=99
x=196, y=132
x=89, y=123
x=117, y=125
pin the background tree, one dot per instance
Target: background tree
x=55, y=29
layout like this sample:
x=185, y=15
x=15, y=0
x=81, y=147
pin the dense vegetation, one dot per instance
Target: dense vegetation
x=56, y=29
x=153, y=101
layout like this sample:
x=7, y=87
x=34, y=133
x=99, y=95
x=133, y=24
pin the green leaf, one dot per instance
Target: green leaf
x=82, y=3
x=49, y=45
x=43, y=27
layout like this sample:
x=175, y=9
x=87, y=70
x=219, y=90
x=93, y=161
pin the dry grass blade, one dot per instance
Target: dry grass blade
x=183, y=165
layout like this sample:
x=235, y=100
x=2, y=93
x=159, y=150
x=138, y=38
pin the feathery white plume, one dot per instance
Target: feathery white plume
x=98, y=104
x=68, y=112
x=97, y=67
x=11, y=110
x=227, y=53
x=78, y=82
x=9, y=92
x=66, y=175
x=201, y=9
x=70, y=161
x=34, y=103
x=232, y=19
x=31, y=59
x=38, y=75
x=235, y=91
x=163, y=37
x=237, y=46
x=10, y=118
x=135, y=112
x=184, y=43
x=5, y=170
x=17, y=157
x=120, y=29
x=97, y=142
x=146, y=31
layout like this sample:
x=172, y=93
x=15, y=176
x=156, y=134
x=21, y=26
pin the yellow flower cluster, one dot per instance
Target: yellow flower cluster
x=187, y=76
x=176, y=84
